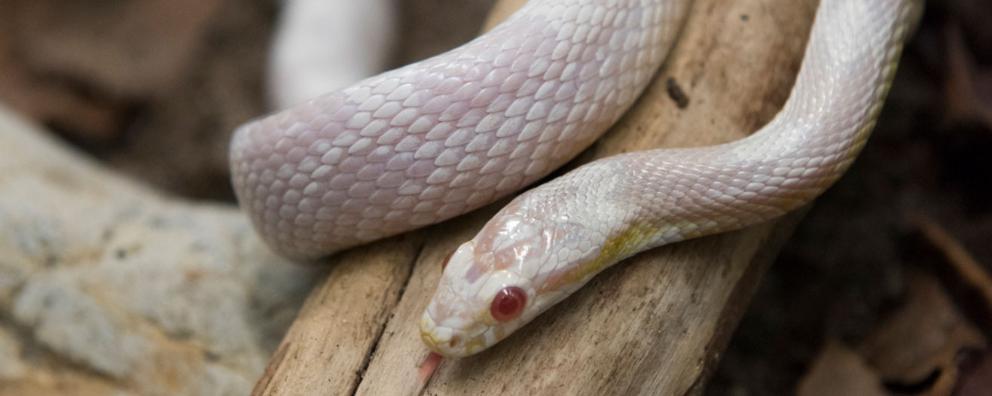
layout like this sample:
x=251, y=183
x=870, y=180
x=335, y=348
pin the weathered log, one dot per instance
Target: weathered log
x=655, y=324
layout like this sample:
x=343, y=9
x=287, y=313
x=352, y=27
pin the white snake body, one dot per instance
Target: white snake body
x=432, y=140
x=440, y=137
x=551, y=240
x=324, y=45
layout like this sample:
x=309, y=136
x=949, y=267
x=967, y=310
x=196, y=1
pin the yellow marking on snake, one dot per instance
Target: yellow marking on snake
x=626, y=243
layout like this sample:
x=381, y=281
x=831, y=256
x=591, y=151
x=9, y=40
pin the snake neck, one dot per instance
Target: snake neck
x=647, y=199
x=847, y=72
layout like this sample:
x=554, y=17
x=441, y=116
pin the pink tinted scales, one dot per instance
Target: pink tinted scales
x=446, y=135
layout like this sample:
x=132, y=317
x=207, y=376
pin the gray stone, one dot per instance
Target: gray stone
x=112, y=287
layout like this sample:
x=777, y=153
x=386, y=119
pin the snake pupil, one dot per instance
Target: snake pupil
x=508, y=303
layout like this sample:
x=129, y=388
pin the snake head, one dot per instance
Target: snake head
x=459, y=320
x=494, y=284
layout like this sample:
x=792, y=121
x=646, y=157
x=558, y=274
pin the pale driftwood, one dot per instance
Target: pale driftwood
x=655, y=324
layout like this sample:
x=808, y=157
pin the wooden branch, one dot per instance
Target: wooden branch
x=654, y=324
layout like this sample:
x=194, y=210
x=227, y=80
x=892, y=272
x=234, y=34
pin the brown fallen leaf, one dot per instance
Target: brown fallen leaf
x=839, y=370
x=917, y=349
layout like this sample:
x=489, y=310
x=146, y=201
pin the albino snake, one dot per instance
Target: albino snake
x=435, y=139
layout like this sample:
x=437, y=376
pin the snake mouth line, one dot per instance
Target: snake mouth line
x=450, y=342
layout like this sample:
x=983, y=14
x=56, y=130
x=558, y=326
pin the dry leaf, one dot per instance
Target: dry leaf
x=839, y=370
x=916, y=350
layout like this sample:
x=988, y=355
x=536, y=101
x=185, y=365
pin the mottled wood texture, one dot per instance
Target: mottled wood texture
x=655, y=324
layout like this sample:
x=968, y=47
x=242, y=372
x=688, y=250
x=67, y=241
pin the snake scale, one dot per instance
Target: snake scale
x=426, y=142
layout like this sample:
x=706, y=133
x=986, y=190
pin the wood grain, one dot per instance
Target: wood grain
x=655, y=324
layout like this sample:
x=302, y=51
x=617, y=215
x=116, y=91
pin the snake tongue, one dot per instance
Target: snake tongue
x=428, y=367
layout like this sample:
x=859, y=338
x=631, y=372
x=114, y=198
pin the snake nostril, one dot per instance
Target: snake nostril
x=454, y=341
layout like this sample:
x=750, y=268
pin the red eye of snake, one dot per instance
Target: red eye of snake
x=508, y=303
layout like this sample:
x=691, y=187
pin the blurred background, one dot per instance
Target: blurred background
x=887, y=280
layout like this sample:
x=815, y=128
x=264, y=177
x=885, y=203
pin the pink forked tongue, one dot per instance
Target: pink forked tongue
x=428, y=366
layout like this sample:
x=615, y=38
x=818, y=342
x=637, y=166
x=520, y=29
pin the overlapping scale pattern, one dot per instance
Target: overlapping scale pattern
x=554, y=238
x=675, y=194
x=435, y=139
